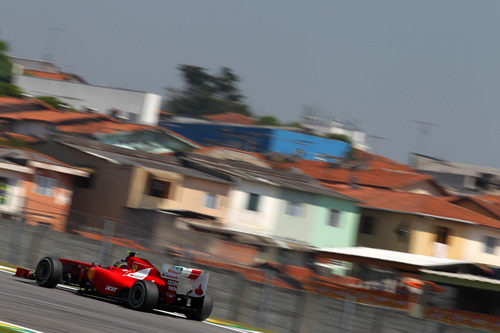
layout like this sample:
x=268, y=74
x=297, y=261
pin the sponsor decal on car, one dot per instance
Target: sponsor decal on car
x=110, y=288
x=171, y=272
x=139, y=275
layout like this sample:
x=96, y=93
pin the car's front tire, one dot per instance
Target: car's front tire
x=48, y=272
x=143, y=295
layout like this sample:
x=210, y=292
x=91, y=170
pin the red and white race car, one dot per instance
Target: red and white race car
x=134, y=281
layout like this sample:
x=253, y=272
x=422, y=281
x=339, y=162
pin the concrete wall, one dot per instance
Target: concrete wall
x=108, y=186
x=235, y=298
x=143, y=106
x=384, y=236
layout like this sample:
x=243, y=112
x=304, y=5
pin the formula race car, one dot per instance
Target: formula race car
x=133, y=281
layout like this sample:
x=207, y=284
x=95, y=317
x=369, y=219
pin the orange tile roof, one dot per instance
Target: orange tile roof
x=491, y=198
x=13, y=100
x=489, y=203
x=21, y=137
x=234, y=118
x=50, y=76
x=106, y=126
x=374, y=177
x=50, y=116
x=41, y=111
x=413, y=203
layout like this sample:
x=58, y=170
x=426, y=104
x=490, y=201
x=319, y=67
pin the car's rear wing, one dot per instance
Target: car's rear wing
x=198, y=278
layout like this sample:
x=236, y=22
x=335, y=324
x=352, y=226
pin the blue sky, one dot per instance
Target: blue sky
x=383, y=64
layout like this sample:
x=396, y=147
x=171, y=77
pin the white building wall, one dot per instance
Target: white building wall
x=15, y=193
x=474, y=249
x=136, y=106
x=262, y=221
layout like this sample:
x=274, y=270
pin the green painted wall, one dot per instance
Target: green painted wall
x=312, y=226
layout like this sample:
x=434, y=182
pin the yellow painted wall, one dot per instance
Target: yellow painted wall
x=424, y=236
x=193, y=194
x=421, y=239
x=186, y=193
x=138, y=197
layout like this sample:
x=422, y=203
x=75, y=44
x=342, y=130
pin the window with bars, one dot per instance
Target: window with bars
x=490, y=244
x=334, y=219
x=253, y=202
x=44, y=185
x=210, y=200
x=294, y=208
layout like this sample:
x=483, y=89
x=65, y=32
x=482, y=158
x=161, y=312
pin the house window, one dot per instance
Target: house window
x=442, y=234
x=294, y=208
x=210, y=200
x=253, y=202
x=490, y=244
x=334, y=220
x=367, y=225
x=159, y=188
x=3, y=190
x=85, y=182
x=44, y=185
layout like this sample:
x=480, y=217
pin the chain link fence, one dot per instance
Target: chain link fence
x=236, y=297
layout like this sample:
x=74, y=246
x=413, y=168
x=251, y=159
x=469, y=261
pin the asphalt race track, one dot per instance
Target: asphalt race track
x=24, y=303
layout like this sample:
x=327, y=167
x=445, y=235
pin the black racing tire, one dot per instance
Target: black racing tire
x=48, y=272
x=143, y=296
x=203, y=310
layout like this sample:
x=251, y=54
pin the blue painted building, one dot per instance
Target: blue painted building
x=261, y=140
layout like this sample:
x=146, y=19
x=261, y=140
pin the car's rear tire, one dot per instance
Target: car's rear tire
x=202, y=308
x=48, y=272
x=143, y=295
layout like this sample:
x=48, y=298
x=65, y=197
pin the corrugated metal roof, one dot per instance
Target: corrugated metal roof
x=461, y=276
x=392, y=256
x=284, y=179
x=141, y=160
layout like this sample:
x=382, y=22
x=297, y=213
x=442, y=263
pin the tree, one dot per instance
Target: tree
x=11, y=90
x=54, y=102
x=268, y=121
x=5, y=64
x=6, y=88
x=206, y=94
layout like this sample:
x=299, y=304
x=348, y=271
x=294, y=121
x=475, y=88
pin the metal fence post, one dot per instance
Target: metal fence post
x=37, y=238
x=348, y=313
x=16, y=238
x=306, y=312
x=105, y=248
x=265, y=297
x=239, y=292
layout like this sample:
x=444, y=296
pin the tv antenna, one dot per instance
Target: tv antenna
x=424, y=130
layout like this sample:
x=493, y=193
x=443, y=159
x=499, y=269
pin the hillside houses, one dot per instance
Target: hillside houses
x=140, y=175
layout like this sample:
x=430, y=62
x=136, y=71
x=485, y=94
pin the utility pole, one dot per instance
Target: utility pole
x=424, y=130
x=48, y=45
